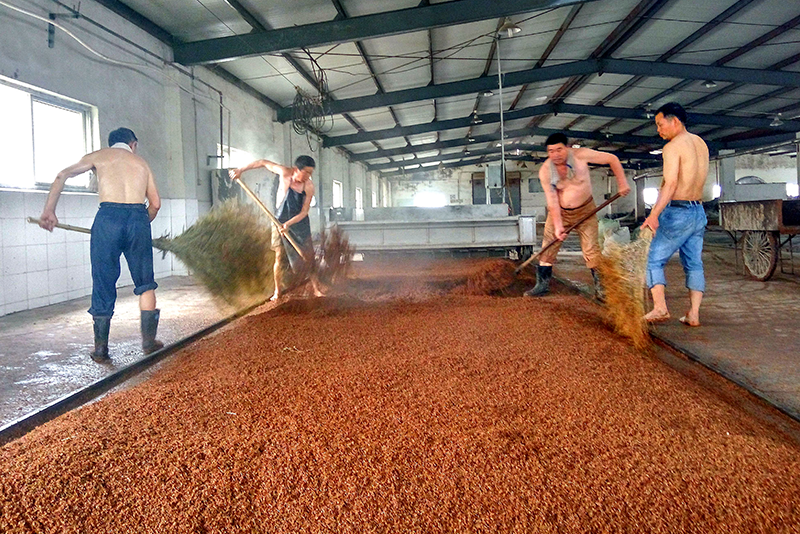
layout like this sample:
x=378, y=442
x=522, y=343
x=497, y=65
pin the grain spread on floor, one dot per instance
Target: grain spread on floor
x=456, y=413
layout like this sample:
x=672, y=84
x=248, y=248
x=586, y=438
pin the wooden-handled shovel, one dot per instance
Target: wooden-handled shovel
x=274, y=219
x=568, y=230
x=80, y=229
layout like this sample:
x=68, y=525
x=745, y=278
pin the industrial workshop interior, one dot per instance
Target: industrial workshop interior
x=417, y=266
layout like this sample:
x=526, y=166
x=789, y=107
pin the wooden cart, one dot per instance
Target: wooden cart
x=762, y=223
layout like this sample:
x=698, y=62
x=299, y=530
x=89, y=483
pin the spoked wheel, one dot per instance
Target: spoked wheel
x=760, y=252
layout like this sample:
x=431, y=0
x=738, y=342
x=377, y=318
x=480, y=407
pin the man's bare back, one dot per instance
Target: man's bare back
x=122, y=176
x=691, y=153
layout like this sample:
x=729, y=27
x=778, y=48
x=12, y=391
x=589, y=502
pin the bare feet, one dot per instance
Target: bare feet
x=657, y=316
x=274, y=297
x=688, y=320
x=317, y=287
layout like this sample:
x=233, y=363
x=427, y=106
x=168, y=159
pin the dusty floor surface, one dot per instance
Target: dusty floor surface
x=44, y=352
x=426, y=412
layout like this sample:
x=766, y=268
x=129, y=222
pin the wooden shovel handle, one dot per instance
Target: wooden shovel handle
x=274, y=219
x=568, y=230
x=80, y=229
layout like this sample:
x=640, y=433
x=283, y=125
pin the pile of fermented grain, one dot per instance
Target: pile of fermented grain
x=493, y=277
x=455, y=414
x=422, y=279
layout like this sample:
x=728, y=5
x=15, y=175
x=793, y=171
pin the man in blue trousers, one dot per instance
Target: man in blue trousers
x=121, y=226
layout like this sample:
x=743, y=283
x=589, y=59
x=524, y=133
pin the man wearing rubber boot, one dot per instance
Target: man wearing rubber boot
x=568, y=189
x=121, y=226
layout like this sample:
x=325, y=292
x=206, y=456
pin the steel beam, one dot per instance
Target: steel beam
x=756, y=142
x=642, y=159
x=703, y=30
x=554, y=109
x=510, y=135
x=451, y=156
x=565, y=70
x=474, y=85
x=356, y=28
x=139, y=20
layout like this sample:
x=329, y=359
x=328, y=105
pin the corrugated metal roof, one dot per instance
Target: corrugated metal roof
x=409, y=75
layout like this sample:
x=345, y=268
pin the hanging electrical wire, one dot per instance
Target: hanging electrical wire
x=310, y=115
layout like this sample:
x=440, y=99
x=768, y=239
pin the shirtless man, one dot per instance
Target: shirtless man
x=568, y=189
x=121, y=226
x=293, y=201
x=678, y=218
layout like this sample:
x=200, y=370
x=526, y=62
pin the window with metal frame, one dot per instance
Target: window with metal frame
x=42, y=133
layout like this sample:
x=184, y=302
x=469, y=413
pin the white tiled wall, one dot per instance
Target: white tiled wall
x=38, y=268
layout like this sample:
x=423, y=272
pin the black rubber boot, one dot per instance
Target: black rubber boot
x=102, y=325
x=543, y=275
x=149, y=329
x=599, y=291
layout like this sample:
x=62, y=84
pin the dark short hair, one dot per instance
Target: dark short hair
x=556, y=138
x=673, y=109
x=121, y=135
x=305, y=161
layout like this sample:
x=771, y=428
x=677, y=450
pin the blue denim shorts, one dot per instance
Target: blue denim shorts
x=679, y=229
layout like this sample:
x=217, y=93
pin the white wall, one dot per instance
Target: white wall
x=457, y=189
x=459, y=186
x=175, y=112
x=772, y=169
x=769, y=168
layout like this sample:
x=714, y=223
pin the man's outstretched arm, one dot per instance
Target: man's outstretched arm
x=48, y=219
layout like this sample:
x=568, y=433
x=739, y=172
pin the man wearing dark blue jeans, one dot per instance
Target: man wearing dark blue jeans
x=677, y=218
x=121, y=226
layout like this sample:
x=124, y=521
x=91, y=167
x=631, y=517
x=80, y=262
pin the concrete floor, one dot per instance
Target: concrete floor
x=750, y=330
x=44, y=352
x=749, y=333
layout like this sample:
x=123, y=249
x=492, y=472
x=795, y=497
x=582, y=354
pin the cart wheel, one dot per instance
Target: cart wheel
x=760, y=252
